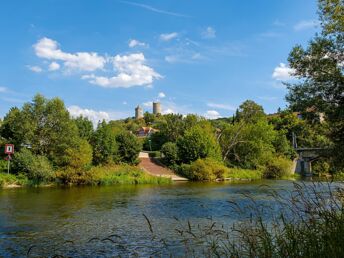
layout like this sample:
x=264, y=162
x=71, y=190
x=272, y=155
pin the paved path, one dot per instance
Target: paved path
x=153, y=168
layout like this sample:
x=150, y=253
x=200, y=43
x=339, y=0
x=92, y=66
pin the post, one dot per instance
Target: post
x=150, y=144
x=8, y=164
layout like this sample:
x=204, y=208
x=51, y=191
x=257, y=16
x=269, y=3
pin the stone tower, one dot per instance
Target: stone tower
x=156, y=108
x=138, y=112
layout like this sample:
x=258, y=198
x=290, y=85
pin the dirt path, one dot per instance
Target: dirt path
x=152, y=167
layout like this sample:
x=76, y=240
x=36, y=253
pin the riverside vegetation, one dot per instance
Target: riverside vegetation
x=53, y=147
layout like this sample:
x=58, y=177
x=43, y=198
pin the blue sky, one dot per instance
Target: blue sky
x=105, y=57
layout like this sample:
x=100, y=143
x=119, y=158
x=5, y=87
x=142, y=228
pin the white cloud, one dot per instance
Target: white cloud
x=212, y=114
x=92, y=115
x=54, y=66
x=3, y=89
x=221, y=106
x=35, y=68
x=168, y=36
x=283, y=72
x=209, y=33
x=153, y=9
x=84, y=61
x=136, y=43
x=306, y=24
x=132, y=71
x=124, y=103
x=171, y=59
x=168, y=111
x=161, y=95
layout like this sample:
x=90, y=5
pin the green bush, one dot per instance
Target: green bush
x=36, y=168
x=320, y=167
x=203, y=170
x=154, y=154
x=170, y=152
x=10, y=179
x=109, y=175
x=278, y=167
x=129, y=147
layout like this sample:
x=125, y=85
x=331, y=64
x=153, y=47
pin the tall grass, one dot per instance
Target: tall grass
x=121, y=174
x=305, y=222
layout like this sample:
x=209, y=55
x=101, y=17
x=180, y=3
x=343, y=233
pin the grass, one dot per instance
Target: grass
x=240, y=173
x=10, y=179
x=122, y=174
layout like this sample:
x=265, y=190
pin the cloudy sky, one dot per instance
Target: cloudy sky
x=105, y=57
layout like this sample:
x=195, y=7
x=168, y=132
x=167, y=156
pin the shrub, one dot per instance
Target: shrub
x=10, y=179
x=129, y=147
x=203, y=170
x=154, y=154
x=36, y=168
x=278, y=167
x=170, y=152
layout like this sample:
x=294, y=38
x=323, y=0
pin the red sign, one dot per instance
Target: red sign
x=9, y=149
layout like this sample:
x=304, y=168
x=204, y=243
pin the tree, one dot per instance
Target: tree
x=129, y=147
x=85, y=127
x=43, y=125
x=104, y=144
x=170, y=152
x=320, y=68
x=198, y=143
x=249, y=111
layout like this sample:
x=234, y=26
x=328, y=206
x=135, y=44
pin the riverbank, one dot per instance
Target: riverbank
x=100, y=175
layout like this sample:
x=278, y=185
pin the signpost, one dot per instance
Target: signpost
x=9, y=150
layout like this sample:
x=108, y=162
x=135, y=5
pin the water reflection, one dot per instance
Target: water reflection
x=78, y=221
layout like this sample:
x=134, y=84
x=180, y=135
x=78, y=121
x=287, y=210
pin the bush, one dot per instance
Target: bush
x=170, y=152
x=129, y=147
x=36, y=168
x=278, y=167
x=154, y=154
x=109, y=175
x=203, y=170
x=10, y=179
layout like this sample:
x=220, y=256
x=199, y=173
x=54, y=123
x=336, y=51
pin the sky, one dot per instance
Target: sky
x=105, y=57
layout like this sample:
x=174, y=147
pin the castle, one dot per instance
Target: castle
x=156, y=110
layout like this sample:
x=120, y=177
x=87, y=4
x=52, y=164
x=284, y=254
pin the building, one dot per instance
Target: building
x=138, y=112
x=156, y=108
x=145, y=131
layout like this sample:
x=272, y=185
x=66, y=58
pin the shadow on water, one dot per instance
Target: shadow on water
x=118, y=220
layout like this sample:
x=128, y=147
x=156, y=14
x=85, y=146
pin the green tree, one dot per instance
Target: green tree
x=129, y=147
x=170, y=152
x=45, y=126
x=320, y=70
x=198, y=143
x=104, y=144
x=85, y=127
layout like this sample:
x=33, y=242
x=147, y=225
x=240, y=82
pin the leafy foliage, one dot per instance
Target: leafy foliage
x=129, y=147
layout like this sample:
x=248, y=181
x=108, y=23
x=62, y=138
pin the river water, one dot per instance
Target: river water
x=110, y=221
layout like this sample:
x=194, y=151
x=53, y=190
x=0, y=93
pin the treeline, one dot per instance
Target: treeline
x=249, y=144
x=51, y=146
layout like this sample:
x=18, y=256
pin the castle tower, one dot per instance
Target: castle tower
x=138, y=112
x=156, y=108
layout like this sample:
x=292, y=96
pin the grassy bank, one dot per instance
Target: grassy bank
x=239, y=173
x=100, y=175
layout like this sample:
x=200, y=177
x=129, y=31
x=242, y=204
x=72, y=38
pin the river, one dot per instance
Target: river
x=110, y=221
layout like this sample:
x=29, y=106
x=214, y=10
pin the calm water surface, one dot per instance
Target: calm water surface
x=76, y=221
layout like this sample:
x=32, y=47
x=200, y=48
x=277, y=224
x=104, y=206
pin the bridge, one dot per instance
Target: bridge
x=305, y=158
